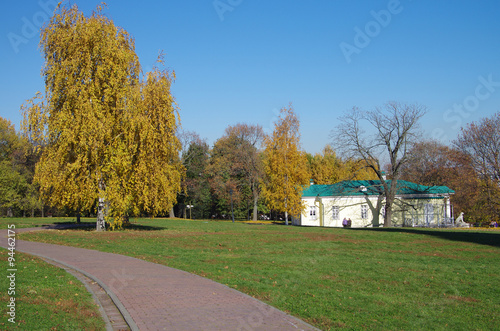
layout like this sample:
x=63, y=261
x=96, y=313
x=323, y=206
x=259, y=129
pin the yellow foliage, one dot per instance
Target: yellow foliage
x=103, y=131
x=285, y=166
x=328, y=168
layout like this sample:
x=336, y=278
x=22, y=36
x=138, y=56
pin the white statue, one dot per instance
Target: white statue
x=460, y=221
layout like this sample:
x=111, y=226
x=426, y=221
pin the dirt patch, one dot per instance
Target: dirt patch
x=437, y=254
x=323, y=237
x=462, y=299
x=272, y=237
x=330, y=277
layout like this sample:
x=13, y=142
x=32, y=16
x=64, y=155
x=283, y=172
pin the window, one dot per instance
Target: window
x=428, y=213
x=364, y=212
x=312, y=212
x=335, y=213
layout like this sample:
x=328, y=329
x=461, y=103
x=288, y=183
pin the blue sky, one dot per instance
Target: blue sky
x=240, y=61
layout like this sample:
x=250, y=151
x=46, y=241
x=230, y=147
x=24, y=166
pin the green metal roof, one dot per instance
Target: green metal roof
x=372, y=187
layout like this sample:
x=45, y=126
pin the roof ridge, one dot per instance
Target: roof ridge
x=372, y=187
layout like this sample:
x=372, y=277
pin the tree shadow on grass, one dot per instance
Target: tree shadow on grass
x=86, y=226
x=140, y=227
x=482, y=238
x=91, y=226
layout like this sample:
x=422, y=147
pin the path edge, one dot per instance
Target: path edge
x=121, y=308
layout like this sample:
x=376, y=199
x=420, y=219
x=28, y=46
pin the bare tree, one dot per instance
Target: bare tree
x=481, y=142
x=392, y=130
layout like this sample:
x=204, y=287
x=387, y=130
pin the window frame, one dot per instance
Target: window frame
x=335, y=213
x=364, y=212
x=312, y=212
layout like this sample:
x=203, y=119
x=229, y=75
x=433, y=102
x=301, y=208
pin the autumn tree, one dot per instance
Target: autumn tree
x=18, y=194
x=236, y=166
x=432, y=163
x=328, y=168
x=195, y=158
x=285, y=166
x=394, y=130
x=481, y=142
x=108, y=136
x=12, y=182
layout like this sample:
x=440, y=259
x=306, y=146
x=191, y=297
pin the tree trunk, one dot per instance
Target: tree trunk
x=388, y=216
x=78, y=215
x=255, y=202
x=388, y=212
x=255, y=208
x=101, y=210
x=286, y=218
x=390, y=195
x=171, y=213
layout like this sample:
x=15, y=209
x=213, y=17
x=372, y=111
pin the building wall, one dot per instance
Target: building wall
x=427, y=212
x=359, y=209
x=362, y=209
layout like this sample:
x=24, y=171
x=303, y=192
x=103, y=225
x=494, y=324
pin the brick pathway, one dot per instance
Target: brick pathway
x=156, y=297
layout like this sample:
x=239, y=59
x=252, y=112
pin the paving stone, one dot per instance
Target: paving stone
x=156, y=297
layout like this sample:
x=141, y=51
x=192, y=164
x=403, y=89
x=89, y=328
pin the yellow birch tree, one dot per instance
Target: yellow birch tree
x=285, y=166
x=328, y=168
x=107, y=138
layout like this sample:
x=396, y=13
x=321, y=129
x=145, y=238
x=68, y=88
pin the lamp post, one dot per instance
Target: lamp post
x=231, y=194
x=190, y=207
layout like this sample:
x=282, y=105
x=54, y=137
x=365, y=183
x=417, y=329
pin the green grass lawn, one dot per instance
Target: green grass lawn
x=47, y=298
x=384, y=279
x=35, y=222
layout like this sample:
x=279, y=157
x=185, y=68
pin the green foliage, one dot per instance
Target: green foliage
x=17, y=192
x=236, y=166
x=12, y=186
x=197, y=188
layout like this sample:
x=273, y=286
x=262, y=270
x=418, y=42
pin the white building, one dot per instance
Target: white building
x=363, y=203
